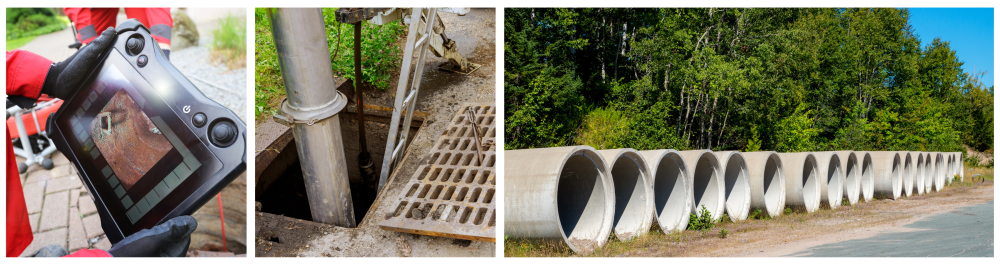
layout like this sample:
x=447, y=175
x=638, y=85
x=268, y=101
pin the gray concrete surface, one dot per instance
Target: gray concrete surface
x=964, y=232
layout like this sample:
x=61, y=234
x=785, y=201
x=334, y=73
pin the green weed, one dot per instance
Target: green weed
x=702, y=221
x=723, y=233
x=229, y=42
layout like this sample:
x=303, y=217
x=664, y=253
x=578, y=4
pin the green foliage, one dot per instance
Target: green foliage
x=795, y=132
x=602, y=129
x=723, y=233
x=229, y=42
x=788, y=211
x=701, y=221
x=27, y=22
x=269, y=86
x=786, y=79
x=380, y=56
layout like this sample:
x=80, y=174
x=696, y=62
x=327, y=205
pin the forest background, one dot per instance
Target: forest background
x=783, y=79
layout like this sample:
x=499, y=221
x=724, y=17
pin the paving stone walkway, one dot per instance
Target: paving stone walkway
x=60, y=209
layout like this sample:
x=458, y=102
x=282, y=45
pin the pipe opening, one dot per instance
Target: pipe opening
x=867, y=181
x=737, y=187
x=630, y=195
x=850, y=179
x=834, y=188
x=809, y=185
x=897, y=177
x=907, y=176
x=668, y=191
x=772, y=184
x=580, y=199
x=706, y=191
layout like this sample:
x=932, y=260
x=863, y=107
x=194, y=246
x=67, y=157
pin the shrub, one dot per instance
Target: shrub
x=701, y=221
x=229, y=42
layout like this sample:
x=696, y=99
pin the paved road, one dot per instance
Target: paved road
x=964, y=232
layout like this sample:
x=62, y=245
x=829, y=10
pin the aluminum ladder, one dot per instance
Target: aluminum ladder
x=406, y=91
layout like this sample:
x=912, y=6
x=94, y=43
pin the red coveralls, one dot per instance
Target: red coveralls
x=89, y=20
x=25, y=75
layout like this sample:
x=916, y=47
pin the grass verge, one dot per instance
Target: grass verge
x=18, y=42
x=229, y=43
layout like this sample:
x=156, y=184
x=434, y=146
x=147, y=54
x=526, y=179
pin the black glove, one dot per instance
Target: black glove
x=64, y=77
x=169, y=239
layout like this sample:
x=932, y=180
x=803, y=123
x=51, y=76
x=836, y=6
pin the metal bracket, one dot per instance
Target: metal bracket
x=291, y=115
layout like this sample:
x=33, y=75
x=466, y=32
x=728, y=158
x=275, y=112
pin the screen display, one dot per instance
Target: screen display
x=130, y=142
x=130, y=146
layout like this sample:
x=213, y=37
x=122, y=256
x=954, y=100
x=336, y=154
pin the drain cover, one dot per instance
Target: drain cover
x=453, y=195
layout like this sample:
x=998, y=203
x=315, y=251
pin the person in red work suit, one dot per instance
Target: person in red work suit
x=30, y=75
x=88, y=19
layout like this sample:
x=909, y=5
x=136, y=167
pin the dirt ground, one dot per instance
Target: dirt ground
x=441, y=94
x=789, y=234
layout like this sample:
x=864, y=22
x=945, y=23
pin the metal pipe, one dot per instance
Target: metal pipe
x=737, y=185
x=767, y=182
x=801, y=180
x=633, y=192
x=852, y=176
x=300, y=39
x=888, y=173
x=707, y=188
x=561, y=195
x=831, y=172
x=364, y=158
x=671, y=193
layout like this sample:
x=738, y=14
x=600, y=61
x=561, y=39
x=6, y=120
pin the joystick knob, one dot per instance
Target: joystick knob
x=223, y=133
x=134, y=45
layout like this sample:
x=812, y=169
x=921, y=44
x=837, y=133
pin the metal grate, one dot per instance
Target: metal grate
x=453, y=195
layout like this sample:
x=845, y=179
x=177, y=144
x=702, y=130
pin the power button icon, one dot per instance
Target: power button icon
x=187, y=108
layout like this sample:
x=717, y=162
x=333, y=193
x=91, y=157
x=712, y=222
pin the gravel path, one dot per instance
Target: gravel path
x=227, y=87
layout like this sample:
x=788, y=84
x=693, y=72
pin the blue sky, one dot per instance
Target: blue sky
x=970, y=31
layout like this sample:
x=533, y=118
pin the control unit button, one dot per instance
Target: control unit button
x=134, y=44
x=199, y=119
x=142, y=60
x=222, y=133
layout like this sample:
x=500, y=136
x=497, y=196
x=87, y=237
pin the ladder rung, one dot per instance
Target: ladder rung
x=421, y=41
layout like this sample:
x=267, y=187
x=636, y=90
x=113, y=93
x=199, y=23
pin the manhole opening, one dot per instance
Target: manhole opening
x=281, y=189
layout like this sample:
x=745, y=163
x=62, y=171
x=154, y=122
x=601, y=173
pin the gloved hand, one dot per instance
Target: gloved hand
x=169, y=239
x=65, y=77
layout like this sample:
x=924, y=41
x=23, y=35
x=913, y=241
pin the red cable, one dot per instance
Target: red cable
x=223, y=219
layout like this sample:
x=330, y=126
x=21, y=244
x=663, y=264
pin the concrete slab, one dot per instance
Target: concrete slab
x=53, y=237
x=77, y=235
x=92, y=225
x=55, y=211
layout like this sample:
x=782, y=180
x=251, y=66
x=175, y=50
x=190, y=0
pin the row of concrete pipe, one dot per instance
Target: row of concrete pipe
x=577, y=196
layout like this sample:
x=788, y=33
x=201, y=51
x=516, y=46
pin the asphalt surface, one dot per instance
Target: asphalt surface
x=964, y=232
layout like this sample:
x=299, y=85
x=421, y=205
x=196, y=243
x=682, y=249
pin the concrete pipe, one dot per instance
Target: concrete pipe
x=852, y=176
x=633, y=192
x=918, y=173
x=671, y=191
x=831, y=172
x=867, y=176
x=801, y=180
x=708, y=185
x=561, y=195
x=939, y=169
x=961, y=166
x=734, y=172
x=949, y=167
x=888, y=173
x=908, y=173
x=928, y=172
x=767, y=182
